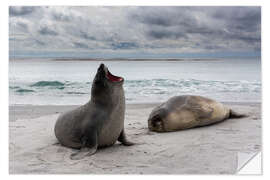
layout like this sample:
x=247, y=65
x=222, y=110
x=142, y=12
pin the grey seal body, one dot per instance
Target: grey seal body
x=98, y=123
x=187, y=111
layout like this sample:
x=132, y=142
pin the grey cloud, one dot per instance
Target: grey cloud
x=39, y=42
x=61, y=17
x=47, y=31
x=212, y=47
x=169, y=23
x=258, y=48
x=152, y=20
x=165, y=34
x=241, y=18
x=22, y=25
x=124, y=45
x=248, y=39
x=139, y=28
x=21, y=10
x=161, y=16
x=85, y=35
x=80, y=45
x=241, y=23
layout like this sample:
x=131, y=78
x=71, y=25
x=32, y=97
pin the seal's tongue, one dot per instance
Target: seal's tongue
x=113, y=78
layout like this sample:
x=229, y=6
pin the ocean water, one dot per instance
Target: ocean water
x=48, y=82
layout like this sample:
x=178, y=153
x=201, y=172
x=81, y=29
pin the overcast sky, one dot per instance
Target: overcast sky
x=123, y=30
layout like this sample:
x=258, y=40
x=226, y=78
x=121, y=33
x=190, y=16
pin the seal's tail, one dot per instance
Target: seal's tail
x=234, y=114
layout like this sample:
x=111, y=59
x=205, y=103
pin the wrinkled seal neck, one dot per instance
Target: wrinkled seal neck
x=101, y=100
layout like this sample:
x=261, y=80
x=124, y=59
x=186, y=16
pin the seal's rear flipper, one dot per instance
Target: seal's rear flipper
x=123, y=139
x=234, y=114
x=83, y=152
x=89, y=147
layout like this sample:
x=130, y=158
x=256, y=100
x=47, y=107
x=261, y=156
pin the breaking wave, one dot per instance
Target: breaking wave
x=140, y=90
x=47, y=83
x=20, y=90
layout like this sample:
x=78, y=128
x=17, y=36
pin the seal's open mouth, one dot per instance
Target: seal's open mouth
x=103, y=69
x=113, y=78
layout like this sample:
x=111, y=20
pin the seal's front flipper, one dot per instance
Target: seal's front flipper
x=123, y=139
x=82, y=153
x=89, y=147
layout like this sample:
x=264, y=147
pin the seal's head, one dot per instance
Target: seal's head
x=105, y=76
x=105, y=83
x=156, y=120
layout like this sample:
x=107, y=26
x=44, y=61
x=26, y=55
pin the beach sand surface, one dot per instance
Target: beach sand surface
x=33, y=148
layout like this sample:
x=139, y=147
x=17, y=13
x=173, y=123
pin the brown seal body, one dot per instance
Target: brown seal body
x=98, y=123
x=184, y=112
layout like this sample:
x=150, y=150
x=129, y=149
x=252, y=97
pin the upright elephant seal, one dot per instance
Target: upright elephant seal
x=98, y=123
x=184, y=112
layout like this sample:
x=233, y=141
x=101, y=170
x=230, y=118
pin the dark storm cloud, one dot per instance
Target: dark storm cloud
x=240, y=23
x=39, y=42
x=162, y=16
x=85, y=35
x=47, y=31
x=249, y=39
x=21, y=11
x=258, y=49
x=242, y=37
x=241, y=18
x=169, y=23
x=152, y=20
x=57, y=16
x=124, y=45
x=168, y=29
x=23, y=26
x=80, y=45
x=165, y=34
x=212, y=47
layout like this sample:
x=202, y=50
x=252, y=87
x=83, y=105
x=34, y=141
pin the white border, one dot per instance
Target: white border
x=139, y=2
x=4, y=74
x=4, y=90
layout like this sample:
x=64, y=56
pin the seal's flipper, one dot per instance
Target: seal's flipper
x=89, y=147
x=82, y=153
x=234, y=114
x=123, y=139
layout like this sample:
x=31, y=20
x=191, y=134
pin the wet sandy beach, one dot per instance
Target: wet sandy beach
x=33, y=148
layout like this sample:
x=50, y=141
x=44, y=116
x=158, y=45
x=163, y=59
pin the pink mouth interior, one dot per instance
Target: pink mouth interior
x=113, y=78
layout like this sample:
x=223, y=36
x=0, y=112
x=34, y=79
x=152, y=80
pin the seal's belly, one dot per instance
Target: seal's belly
x=189, y=117
x=111, y=130
x=110, y=133
x=183, y=119
x=219, y=113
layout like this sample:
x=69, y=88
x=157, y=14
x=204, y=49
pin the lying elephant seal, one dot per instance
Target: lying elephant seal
x=98, y=123
x=184, y=112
